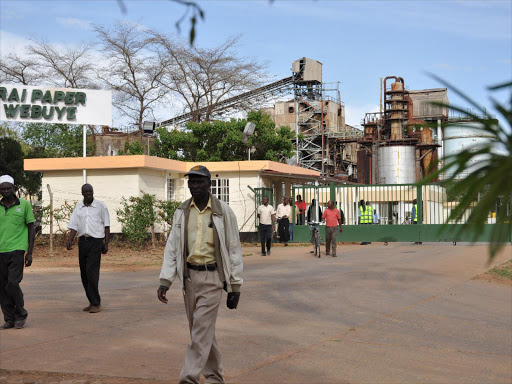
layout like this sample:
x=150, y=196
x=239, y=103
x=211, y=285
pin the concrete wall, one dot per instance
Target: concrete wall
x=109, y=187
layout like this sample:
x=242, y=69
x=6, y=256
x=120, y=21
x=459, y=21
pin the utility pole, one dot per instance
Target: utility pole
x=51, y=216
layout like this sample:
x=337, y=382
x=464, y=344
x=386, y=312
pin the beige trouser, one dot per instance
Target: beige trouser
x=203, y=293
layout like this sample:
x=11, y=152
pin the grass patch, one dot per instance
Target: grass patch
x=503, y=271
x=500, y=274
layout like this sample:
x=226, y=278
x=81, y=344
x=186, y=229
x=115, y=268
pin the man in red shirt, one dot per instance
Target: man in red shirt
x=332, y=217
x=301, y=210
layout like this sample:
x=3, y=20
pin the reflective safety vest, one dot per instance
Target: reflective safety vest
x=415, y=216
x=369, y=214
x=366, y=215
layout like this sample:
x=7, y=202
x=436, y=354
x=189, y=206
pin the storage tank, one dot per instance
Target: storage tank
x=397, y=164
x=465, y=135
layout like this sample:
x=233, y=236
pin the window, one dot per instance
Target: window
x=171, y=190
x=220, y=189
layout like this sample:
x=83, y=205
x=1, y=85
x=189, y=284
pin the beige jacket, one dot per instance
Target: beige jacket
x=228, y=250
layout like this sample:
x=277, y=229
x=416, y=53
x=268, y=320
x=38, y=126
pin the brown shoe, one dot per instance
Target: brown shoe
x=95, y=309
x=87, y=309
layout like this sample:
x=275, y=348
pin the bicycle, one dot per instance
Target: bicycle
x=315, y=237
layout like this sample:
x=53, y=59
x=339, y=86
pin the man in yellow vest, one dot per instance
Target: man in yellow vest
x=415, y=215
x=363, y=218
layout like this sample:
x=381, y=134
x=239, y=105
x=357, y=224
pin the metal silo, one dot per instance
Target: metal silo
x=397, y=164
x=465, y=135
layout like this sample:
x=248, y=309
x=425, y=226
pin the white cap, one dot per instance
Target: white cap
x=6, y=179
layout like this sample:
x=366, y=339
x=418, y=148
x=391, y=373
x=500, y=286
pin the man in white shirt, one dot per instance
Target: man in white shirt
x=267, y=217
x=284, y=211
x=90, y=219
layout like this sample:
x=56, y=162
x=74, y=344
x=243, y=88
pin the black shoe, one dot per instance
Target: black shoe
x=334, y=255
x=285, y=243
x=268, y=252
x=263, y=254
x=7, y=325
x=327, y=254
x=18, y=324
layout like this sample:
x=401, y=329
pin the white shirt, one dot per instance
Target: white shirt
x=284, y=210
x=266, y=214
x=90, y=220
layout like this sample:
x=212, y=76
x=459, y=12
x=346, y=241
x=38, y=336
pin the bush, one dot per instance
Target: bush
x=137, y=217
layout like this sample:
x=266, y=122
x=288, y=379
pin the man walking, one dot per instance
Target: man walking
x=16, y=237
x=332, y=218
x=91, y=221
x=267, y=217
x=284, y=211
x=204, y=251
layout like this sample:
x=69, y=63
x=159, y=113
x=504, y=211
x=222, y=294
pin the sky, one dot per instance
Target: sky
x=467, y=43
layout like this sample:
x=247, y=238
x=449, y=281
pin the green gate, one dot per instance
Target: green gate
x=392, y=204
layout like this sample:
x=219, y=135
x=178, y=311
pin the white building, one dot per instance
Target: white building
x=115, y=177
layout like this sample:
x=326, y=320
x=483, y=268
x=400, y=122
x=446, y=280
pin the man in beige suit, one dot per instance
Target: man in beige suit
x=203, y=250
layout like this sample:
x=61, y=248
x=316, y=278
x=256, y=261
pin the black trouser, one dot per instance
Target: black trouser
x=284, y=230
x=89, y=256
x=11, y=295
x=300, y=219
x=265, y=236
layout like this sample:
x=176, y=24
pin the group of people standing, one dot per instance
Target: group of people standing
x=268, y=217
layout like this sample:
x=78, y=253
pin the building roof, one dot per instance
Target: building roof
x=142, y=161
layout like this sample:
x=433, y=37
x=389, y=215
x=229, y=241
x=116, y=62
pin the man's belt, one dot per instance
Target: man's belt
x=209, y=267
x=88, y=238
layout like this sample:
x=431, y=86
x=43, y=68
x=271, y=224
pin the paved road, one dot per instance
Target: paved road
x=378, y=314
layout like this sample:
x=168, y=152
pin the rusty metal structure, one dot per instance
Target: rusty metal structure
x=323, y=141
x=400, y=143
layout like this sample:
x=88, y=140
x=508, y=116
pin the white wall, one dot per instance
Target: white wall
x=109, y=187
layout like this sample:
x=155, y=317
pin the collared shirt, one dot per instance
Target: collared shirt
x=200, y=235
x=90, y=220
x=331, y=217
x=266, y=214
x=13, y=225
x=283, y=210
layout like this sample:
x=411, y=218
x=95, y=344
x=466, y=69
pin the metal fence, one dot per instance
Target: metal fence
x=392, y=205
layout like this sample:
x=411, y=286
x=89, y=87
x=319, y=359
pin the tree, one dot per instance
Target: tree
x=11, y=160
x=66, y=67
x=132, y=70
x=135, y=148
x=222, y=141
x=17, y=69
x=484, y=186
x=205, y=77
x=55, y=140
x=191, y=6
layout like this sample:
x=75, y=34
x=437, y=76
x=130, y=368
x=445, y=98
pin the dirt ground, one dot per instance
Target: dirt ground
x=118, y=258
x=376, y=314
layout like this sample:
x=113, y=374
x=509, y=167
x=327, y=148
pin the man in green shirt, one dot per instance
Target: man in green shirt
x=16, y=237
